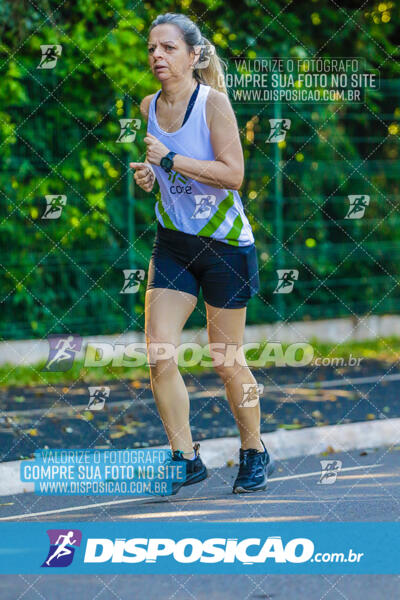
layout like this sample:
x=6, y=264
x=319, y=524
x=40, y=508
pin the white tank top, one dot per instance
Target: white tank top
x=186, y=204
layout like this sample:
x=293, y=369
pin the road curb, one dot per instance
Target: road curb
x=281, y=444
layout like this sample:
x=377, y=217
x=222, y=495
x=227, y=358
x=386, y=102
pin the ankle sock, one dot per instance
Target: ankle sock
x=192, y=458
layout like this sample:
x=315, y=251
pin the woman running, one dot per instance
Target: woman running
x=203, y=239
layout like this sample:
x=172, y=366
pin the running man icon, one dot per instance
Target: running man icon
x=279, y=128
x=62, y=352
x=133, y=278
x=50, y=55
x=204, y=204
x=62, y=549
x=286, y=277
x=54, y=207
x=357, y=207
x=98, y=396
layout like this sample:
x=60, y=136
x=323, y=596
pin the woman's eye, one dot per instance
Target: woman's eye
x=150, y=50
x=170, y=47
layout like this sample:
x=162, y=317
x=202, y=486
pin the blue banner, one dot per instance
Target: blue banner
x=184, y=547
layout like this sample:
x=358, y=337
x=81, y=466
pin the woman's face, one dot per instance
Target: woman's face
x=168, y=54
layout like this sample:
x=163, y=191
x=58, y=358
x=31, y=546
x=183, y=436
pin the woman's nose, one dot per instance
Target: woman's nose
x=157, y=53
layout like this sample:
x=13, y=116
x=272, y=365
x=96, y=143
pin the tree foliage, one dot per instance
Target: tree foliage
x=58, y=131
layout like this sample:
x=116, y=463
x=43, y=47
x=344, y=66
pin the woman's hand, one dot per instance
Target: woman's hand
x=144, y=175
x=155, y=149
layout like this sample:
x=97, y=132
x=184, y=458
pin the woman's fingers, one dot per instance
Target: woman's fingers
x=141, y=168
x=143, y=176
x=138, y=165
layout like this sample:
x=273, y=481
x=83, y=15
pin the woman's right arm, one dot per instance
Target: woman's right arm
x=144, y=175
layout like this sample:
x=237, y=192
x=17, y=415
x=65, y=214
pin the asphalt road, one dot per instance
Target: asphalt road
x=200, y=587
x=366, y=489
x=293, y=398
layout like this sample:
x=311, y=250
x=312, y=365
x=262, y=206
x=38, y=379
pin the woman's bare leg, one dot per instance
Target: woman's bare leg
x=166, y=312
x=227, y=325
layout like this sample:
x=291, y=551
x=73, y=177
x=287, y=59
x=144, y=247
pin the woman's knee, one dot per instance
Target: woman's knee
x=160, y=331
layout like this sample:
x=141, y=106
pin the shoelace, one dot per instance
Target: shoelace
x=245, y=467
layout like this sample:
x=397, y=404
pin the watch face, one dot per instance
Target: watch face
x=166, y=163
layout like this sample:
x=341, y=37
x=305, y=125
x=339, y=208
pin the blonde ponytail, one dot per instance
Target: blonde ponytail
x=213, y=74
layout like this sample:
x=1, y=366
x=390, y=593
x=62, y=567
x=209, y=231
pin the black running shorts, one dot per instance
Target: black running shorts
x=228, y=275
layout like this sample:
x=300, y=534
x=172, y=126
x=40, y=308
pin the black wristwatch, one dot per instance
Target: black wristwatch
x=167, y=162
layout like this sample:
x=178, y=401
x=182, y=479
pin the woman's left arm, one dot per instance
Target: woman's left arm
x=227, y=170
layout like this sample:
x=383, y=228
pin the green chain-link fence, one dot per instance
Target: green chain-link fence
x=65, y=274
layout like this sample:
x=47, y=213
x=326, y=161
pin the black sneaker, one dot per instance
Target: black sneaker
x=254, y=469
x=195, y=469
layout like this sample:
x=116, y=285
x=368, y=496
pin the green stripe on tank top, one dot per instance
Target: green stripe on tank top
x=167, y=221
x=232, y=237
x=218, y=217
